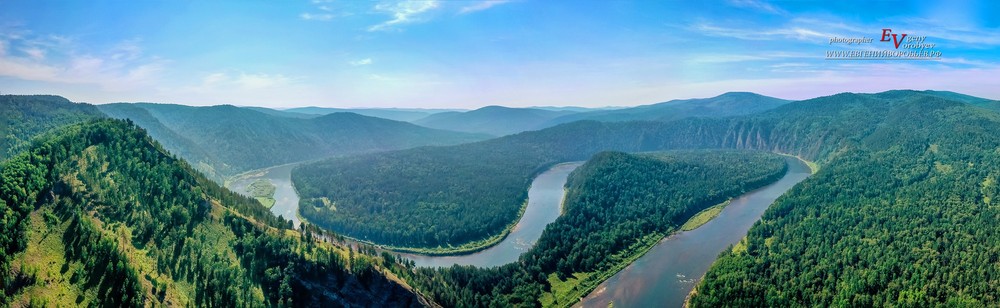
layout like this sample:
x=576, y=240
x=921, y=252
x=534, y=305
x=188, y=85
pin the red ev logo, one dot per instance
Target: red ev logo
x=885, y=37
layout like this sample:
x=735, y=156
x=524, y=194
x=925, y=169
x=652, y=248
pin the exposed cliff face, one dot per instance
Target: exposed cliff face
x=816, y=129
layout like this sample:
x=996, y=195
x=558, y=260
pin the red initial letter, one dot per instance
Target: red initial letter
x=885, y=34
x=901, y=38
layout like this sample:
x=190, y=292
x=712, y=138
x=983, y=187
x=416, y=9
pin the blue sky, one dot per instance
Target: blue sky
x=468, y=54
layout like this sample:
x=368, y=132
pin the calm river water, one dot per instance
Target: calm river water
x=545, y=199
x=286, y=199
x=666, y=274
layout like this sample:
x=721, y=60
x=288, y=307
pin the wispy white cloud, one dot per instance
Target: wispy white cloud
x=319, y=16
x=325, y=10
x=406, y=11
x=34, y=52
x=127, y=50
x=482, y=5
x=790, y=32
x=759, y=5
x=56, y=59
x=365, y=61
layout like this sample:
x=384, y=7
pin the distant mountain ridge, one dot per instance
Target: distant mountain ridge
x=25, y=116
x=493, y=120
x=398, y=114
x=501, y=121
x=224, y=140
x=726, y=104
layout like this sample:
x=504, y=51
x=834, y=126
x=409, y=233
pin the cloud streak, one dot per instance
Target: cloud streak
x=318, y=17
x=402, y=12
x=481, y=6
x=792, y=32
x=758, y=5
x=54, y=59
x=365, y=61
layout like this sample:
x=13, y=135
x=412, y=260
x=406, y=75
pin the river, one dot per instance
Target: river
x=286, y=200
x=666, y=274
x=545, y=199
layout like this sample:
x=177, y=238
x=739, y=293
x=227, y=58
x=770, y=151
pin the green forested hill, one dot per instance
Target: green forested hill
x=493, y=120
x=24, y=116
x=617, y=206
x=225, y=140
x=99, y=214
x=169, y=139
x=464, y=193
x=727, y=104
x=450, y=195
x=899, y=212
x=906, y=218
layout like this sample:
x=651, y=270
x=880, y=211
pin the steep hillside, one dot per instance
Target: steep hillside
x=171, y=140
x=493, y=120
x=617, y=206
x=902, y=204
x=25, y=116
x=905, y=217
x=483, y=184
x=235, y=139
x=728, y=104
x=98, y=214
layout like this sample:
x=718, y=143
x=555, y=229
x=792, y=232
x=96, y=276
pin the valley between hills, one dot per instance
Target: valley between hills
x=853, y=199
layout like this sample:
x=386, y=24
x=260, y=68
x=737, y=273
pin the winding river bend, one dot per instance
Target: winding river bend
x=545, y=199
x=666, y=274
x=661, y=278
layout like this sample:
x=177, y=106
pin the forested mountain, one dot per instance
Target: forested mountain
x=235, y=139
x=98, y=214
x=450, y=195
x=25, y=116
x=904, y=217
x=968, y=99
x=168, y=138
x=617, y=206
x=398, y=114
x=727, y=104
x=908, y=172
x=493, y=120
x=283, y=113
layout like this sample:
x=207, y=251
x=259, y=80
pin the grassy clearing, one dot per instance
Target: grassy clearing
x=813, y=166
x=45, y=257
x=562, y=289
x=569, y=292
x=740, y=246
x=704, y=216
x=263, y=191
x=266, y=202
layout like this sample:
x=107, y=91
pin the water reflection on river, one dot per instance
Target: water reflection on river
x=286, y=199
x=666, y=274
x=545, y=199
x=544, y=205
